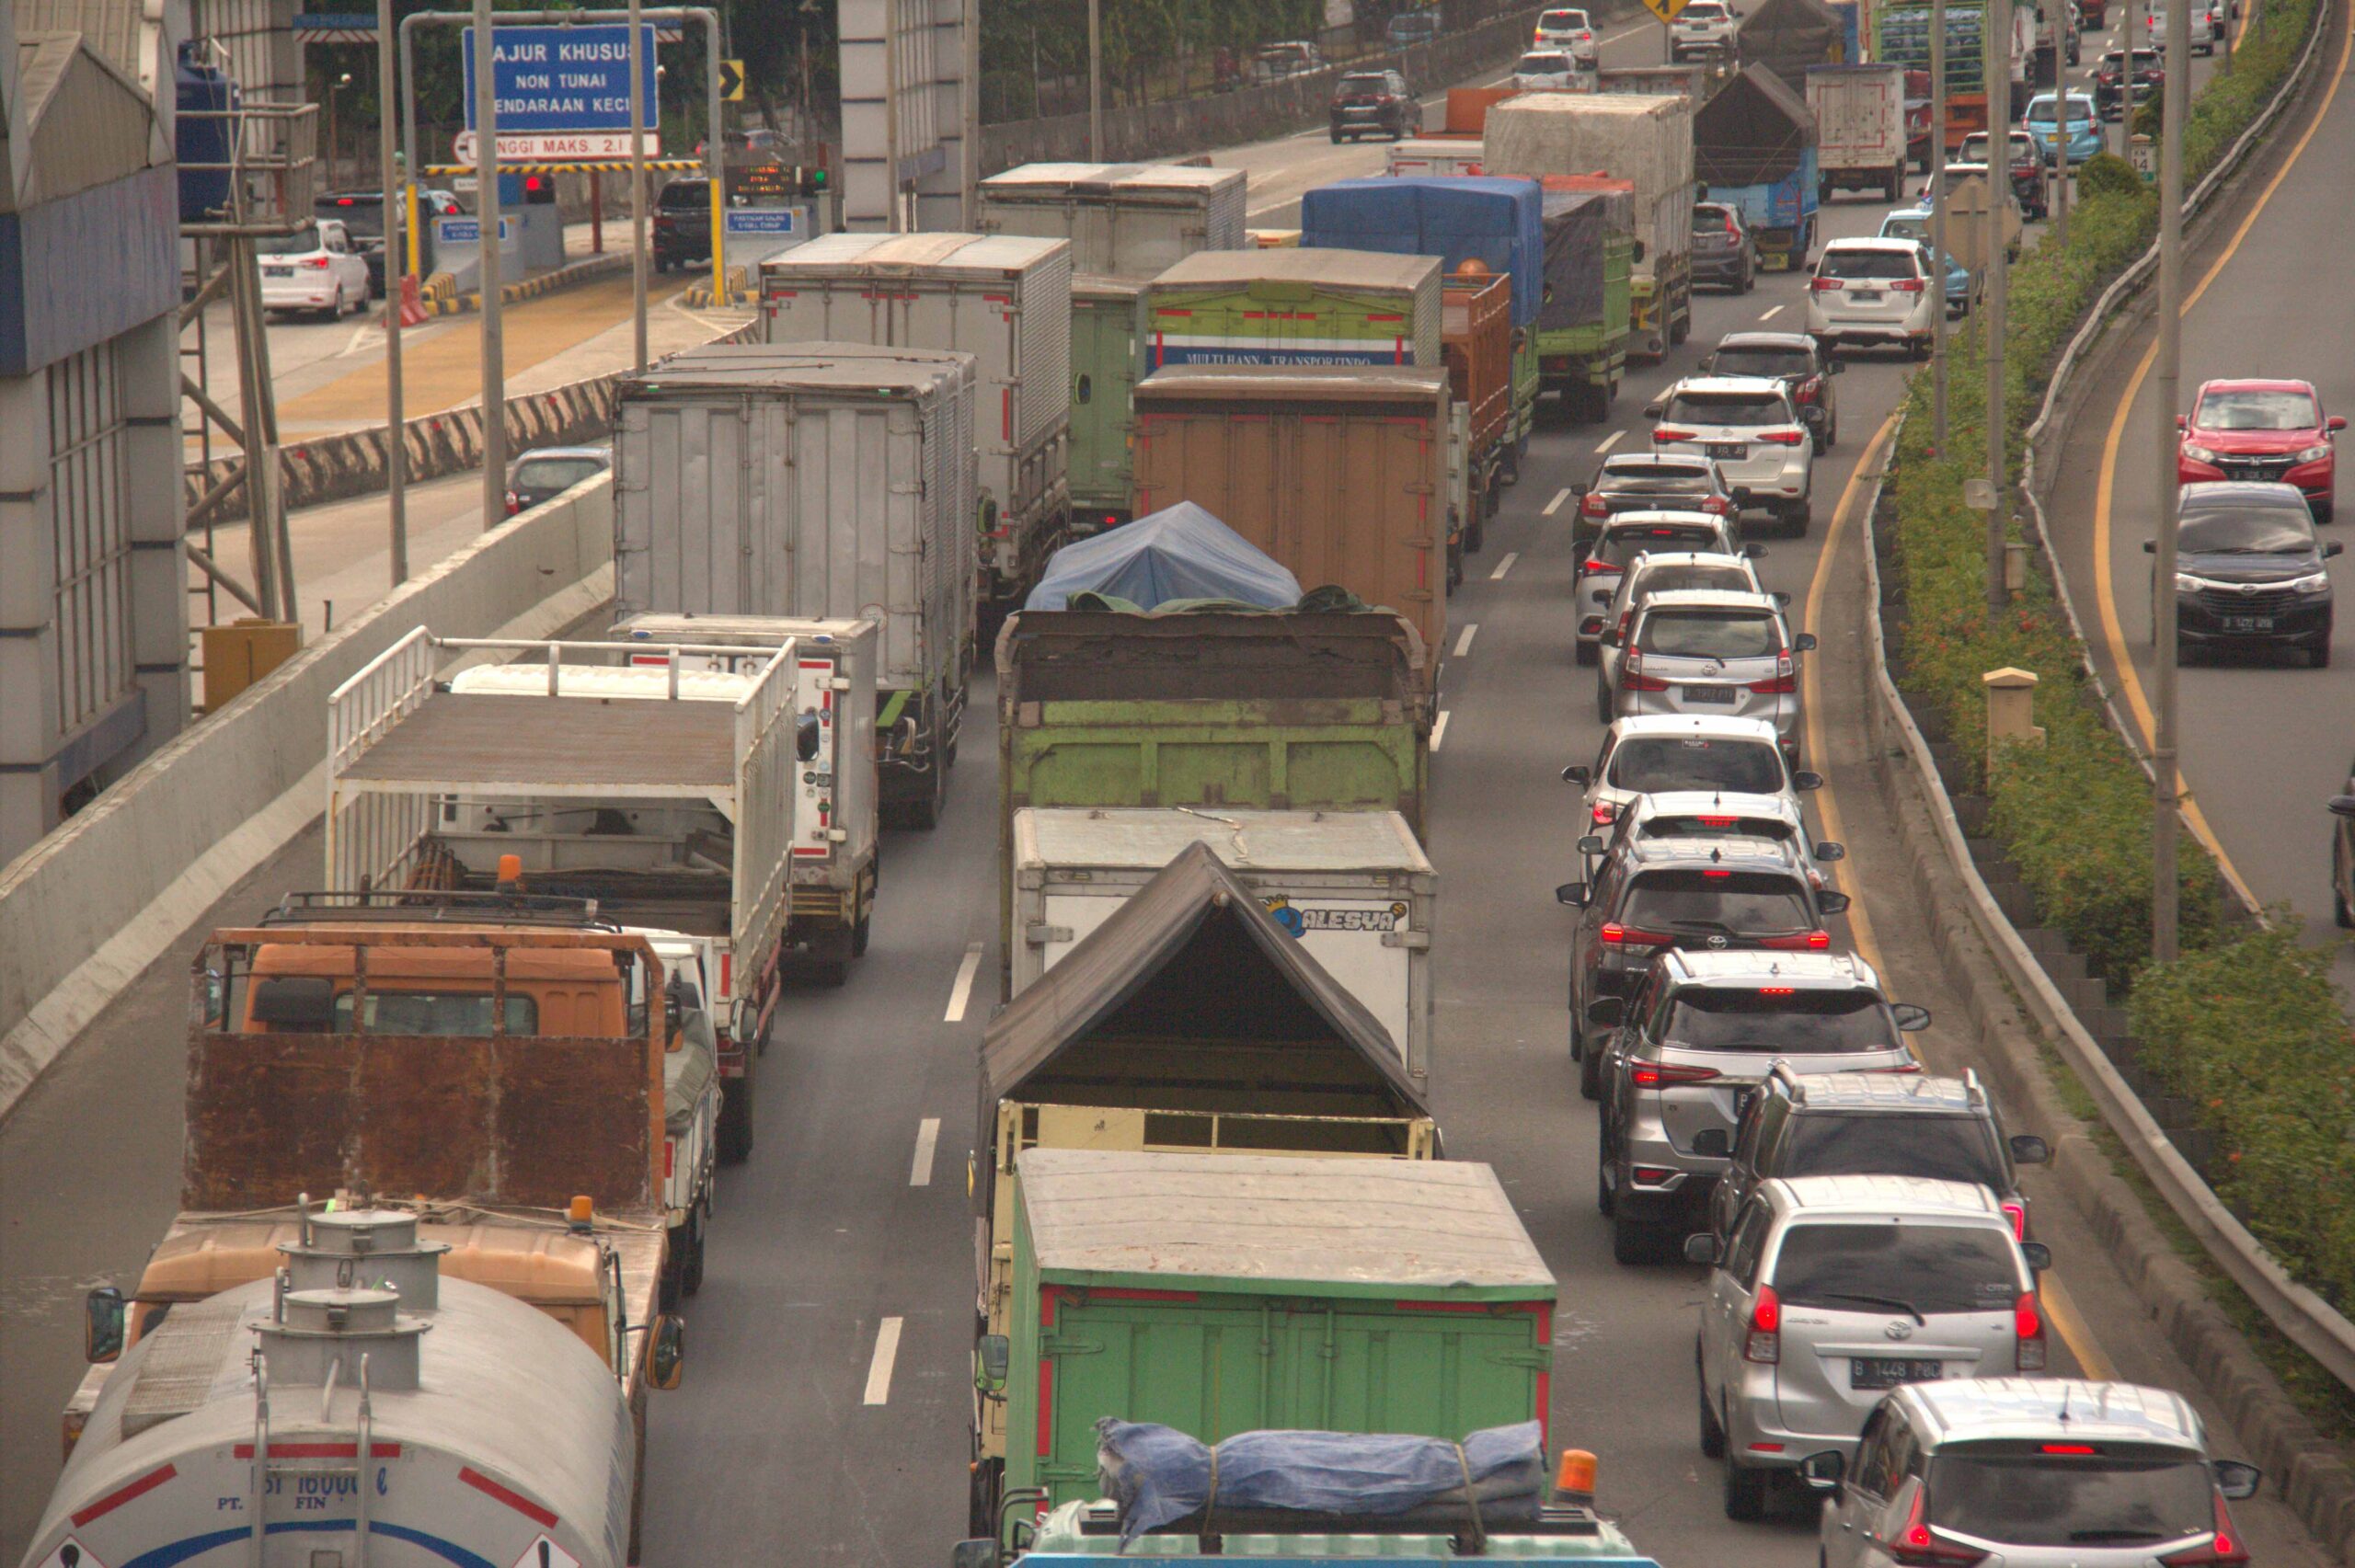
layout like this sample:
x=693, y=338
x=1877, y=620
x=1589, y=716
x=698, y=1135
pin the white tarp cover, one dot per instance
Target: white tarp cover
x=1633, y=136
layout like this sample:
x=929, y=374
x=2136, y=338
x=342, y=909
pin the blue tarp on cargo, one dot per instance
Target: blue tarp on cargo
x=1458, y=218
x=1159, y=1476
x=1180, y=552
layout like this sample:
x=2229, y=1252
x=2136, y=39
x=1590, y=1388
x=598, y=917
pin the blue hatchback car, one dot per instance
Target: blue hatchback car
x=2084, y=126
x=1913, y=223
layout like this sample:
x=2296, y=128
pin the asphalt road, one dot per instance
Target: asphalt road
x=792, y=1427
x=2265, y=740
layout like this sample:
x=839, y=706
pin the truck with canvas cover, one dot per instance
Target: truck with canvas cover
x=1180, y=557
x=493, y=1055
x=1329, y=1295
x=1123, y=220
x=1643, y=139
x=1185, y=1019
x=1107, y=341
x=1339, y=474
x=1860, y=134
x=836, y=851
x=369, y=1404
x=827, y=481
x=1753, y=147
x=1496, y=224
x=1902, y=36
x=1005, y=301
x=669, y=796
x=1354, y=890
x=1292, y=307
x=1790, y=38
x=1587, y=311
x=1302, y=710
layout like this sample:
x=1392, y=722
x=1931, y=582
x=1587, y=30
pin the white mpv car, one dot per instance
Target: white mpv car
x=316, y=267
x=1873, y=292
x=1750, y=429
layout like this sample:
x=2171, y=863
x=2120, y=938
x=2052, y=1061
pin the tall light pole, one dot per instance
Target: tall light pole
x=1096, y=81
x=636, y=184
x=2175, y=106
x=1995, y=52
x=2126, y=78
x=2060, y=125
x=396, y=432
x=1937, y=162
x=494, y=354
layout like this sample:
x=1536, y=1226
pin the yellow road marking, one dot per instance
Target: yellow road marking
x=2070, y=1325
x=2113, y=631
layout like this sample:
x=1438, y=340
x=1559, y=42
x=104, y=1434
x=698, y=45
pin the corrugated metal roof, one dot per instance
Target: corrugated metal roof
x=921, y=252
x=87, y=122
x=827, y=367
x=118, y=31
x=1114, y=179
x=1332, y=269
x=1403, y=1224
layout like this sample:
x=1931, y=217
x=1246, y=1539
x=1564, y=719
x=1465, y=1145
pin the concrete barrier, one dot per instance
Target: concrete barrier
x=88, y=907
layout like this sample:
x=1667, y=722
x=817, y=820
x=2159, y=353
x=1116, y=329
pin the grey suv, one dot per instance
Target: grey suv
x=1594, y=578
x=2031, y=1473
x=1696, y=1044
x=1834, y=1290
x=1847, y=1124
x=1708, y=651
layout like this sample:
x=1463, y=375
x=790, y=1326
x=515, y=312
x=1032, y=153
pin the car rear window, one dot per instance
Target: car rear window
x=2258, y=411
x=556, y=472
x=1713, y=902
x=1929, y=1267
x=1558, y=20
x=1864, y=264
x=1778, y=1018
x=1656, y=481
x=1726, y=579
x=2025, y=1493
x=1622, y=545
x=1952, y=1148
x=686, y=193
x=1710, y=634
x=1763, y=358
x=1362, y=84
x=1704, y=11
x=1716, y=826
x=362, y=216
x=1915, y=229
x=301, y=242
x=1653, y=764
x=1533, y=65
x=1745, y=409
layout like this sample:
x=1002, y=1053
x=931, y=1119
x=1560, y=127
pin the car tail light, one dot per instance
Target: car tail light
x=1670, y=433
x=1592, y=626
x=1733, y=230
x=1765, y=1341
x=2017, y=1213
x=1785, y=682
x=2225, y=1546
x=514, y=503
x=318, y=261
x=1824, y=285
x=1617, y=935
x=1786, y=438
x=1810, y=389
x=1718, y=504
x=1917, y=1546
x=1655, y=1075
x=1633, y=678
x=1800, y=942
x=1595, y=506
x=1905, y=285
x=1625, y=617
x=2027, y=1321
x=1594, y=568
x=1603, y=812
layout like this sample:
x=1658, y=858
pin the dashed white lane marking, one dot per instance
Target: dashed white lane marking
x=878, y=1371
x=1555, y=504
x=960, y=991
x=928, y=1139
x=1439, y=730
x=1464, y=643
x=1772, y=313
x=1614, y=438
x=1504, y=566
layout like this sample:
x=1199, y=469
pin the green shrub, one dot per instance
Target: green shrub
x=2107, y=174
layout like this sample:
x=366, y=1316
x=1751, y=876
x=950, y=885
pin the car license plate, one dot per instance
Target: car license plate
x=1709, y=695
x=1734, y=450
x=2249, y=622
x=1864, y=296
x=1888, y=1372
x=278, y=271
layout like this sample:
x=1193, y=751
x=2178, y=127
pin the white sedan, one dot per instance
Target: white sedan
x=1544, y=68
x=316, y=267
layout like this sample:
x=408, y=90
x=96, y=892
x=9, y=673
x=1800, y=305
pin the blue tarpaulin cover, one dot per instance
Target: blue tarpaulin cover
x=1180, y=552
x=1158, y=1475
x=1457, y=218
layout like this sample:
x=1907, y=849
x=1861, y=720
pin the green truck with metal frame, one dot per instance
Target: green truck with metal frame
x=1189, y=1020
x=1226, y=1293
x=1587, y=314
x=1107, y=338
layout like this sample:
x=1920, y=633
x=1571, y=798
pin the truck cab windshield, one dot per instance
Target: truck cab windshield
x=445, y=1015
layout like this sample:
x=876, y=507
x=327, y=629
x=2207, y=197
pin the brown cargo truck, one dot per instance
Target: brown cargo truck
x=1476, y=342
x=1340, y=473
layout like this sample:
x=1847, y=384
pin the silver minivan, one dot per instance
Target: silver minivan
x=1707, y=650
x=1627, y=538
x=2021, y=1472
x=1661, y=572
x=1831, y=1290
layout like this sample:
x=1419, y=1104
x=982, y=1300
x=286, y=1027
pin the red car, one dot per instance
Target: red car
x=2262, y=430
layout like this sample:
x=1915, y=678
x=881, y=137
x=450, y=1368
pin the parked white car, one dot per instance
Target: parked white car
x=315, y=268
x=1748, y=426
x=1873, y=292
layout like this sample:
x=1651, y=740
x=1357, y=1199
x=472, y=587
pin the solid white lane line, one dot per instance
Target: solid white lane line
x=1464, y=643
x=928, y=1138
x=1438, y=730
x=1504, y=566
x=878, y=1371
x=1614, y=438
x=1555, y=504
x=960, y=991
x=1772, y=313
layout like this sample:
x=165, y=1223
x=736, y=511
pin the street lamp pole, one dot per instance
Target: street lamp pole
x=1937, y=162
x=637, y=184
x=396, y=429
x=494, y=356
x=2174, y=108
x=1995, y=54
x=1096, y=81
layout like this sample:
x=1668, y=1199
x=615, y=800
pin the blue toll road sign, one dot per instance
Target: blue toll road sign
x=563, y=78
x=760, y=220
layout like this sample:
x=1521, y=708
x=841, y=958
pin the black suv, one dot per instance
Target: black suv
x=683, y=223
x=1374, y=100
x=2249, y=571
x=1643, y=481
x=1799, y=362
x=1858, y=1123
x=1710, y=895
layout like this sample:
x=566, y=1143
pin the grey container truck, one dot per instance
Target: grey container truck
x=826, y=481
x=1126, y=219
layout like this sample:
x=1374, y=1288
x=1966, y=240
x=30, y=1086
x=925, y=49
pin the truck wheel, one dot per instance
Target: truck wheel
x=859, y=933
x=831, y=973
x=735, y=1132
x=1604, y=1201
x=1636, y=1241
x=1681, y=327
x=1895, y=181
x=1713, y=1431
x=674, y=1263
x=1745, y=1492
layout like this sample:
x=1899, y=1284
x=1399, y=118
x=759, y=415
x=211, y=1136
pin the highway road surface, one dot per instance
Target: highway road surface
x=827, y=1387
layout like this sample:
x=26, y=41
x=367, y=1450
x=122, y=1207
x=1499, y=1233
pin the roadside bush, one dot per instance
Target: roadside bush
x=2107, y=174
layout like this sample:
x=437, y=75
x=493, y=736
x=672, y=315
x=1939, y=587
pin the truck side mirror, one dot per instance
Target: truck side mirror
x=104, y=1323
x=668, y=1358
x=992, y=1354
x=1912, y=1016
x=2029, y=1150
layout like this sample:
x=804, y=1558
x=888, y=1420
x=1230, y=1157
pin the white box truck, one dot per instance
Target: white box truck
x=823, y=481
x=1123, y=220
x=1436, y=155
x=1859, y=128
x=1005, y=301
x=1354, y=886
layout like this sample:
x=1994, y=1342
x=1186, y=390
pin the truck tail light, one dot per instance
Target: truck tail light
x=669, y=1156
x=1765, y=1341
x=2027, y=1321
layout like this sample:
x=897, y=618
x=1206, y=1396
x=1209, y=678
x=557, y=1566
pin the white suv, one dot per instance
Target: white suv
x=1873, y=290
x=1703, y=26
x=2042, y=1473
x=1571, y=31
x=1750, y=429
x=1831, y=1290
